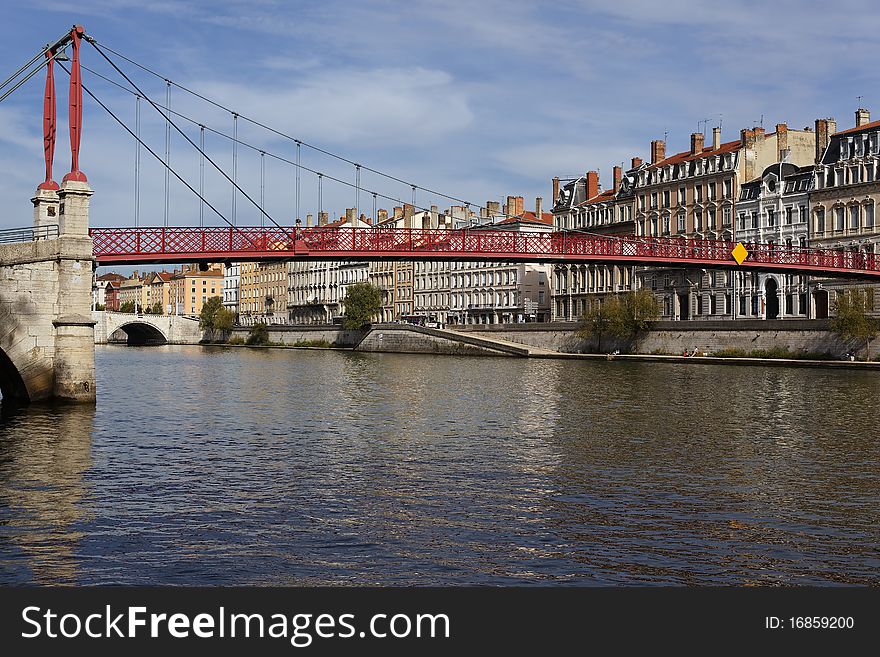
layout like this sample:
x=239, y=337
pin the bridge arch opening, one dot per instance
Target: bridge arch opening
x=12, y=387
x=138, y=334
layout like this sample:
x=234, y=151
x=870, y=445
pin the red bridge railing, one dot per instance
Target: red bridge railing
x=160, y=244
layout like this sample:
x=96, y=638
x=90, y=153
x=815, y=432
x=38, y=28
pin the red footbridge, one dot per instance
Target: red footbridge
x=155, y=245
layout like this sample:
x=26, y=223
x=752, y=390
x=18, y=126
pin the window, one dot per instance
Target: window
x=711, y=219
x=711, y=192
x=681, y=195
x=698, y=193
x=854, y=217
x=681, y=222
x=789, y=215
x=869, y=215
x=666, y=225
x=802, y=214
x=728, y=188
x=666, y=198
x=653, y=199
x=838, y=218
x=754, y=219
x=725, y=217
x=742, y=220
x=699, y=304
x=820, y=220
x=698, y=220
x=771, y=217
x=713, y=305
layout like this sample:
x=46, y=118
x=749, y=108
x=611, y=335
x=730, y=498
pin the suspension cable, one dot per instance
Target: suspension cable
x=159, y=158
x=274, y=156
x=185, y=136
x=30, y=74
x=137, y=162
x=167, y=147
x=289, y=137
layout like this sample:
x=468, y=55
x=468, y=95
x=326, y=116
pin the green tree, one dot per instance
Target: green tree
x=624, y=316
x=209, y=309
x=127, y=307
x=362, y=302
x=595, y=321
x=259, y=334
x=156, y=309
x=852, y=316
x=224, y=320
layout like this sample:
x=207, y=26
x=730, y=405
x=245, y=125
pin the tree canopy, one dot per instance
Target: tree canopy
x=852, y=316
x=362, y=302
x=622, y=315
x=209, y=310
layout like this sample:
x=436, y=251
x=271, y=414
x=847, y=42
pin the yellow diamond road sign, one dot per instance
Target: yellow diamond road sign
x=739, y=253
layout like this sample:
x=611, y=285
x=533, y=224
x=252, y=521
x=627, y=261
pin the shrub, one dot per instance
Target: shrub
x=259, y=335
x=313, y=343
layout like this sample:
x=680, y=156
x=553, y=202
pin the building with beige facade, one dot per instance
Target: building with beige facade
x=191, y=288
x=844, y=204
x=693, y=194
x=582, y=206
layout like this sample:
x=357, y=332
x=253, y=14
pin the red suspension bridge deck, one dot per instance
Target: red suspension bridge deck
x=154, y=245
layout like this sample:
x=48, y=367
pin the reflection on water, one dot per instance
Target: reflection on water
x=216, y=466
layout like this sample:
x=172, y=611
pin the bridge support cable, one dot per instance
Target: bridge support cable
x=137, y=161
x=297, y=178
x=167, y=147
x=262, y=186
x=357, y=192
x=320, y=197
x=160, y=160
x=234, y=163
x=201, y=176
x=220, y=133
x=51, y=53
x=191, y=142
x=284, y=135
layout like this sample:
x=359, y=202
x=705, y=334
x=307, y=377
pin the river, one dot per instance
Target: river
x=292, y=467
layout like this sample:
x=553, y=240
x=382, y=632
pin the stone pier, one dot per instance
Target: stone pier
x=47, y=341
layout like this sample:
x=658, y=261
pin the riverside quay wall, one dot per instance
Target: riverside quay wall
x=805, y=336
x=809, y=336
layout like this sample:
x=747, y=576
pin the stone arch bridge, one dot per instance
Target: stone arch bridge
x=144, y=329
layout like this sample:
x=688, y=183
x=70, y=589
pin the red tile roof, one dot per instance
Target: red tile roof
x=607, y=195
x=686, y=156
x=867, y=126
x=531, y=217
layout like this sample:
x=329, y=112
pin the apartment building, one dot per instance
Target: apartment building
x=693, y=194
x=844, y=203
x=191, y=288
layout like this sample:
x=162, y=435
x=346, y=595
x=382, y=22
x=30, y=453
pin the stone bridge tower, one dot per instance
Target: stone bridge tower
x=47, y=343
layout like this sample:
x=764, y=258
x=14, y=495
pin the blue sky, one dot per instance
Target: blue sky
x=476, y=99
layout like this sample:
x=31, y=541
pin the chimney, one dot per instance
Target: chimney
x=824, y=129
x=863, y=116
x=322, y=218
x=555, y=188
x=308, y=220
x=759, y=134
x=408, y=215
x=636, y=162
x=519, y=206
x=350, y=215
x=365, y=220
x=434, y=217
x=493, y=207
x=781, y=141
x=398, y=213
x=716, y=138
x=511, y=206
x=747, y=138
x=618, y=174
x=383, y=215
x=697, y=143
x=658, y=151
x=592, y=184
x=539, y=210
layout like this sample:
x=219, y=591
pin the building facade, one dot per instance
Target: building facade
x=844, y=204
x=191, y=288
x=774, y=209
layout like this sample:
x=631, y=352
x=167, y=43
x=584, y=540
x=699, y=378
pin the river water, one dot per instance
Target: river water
x=291, y=467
